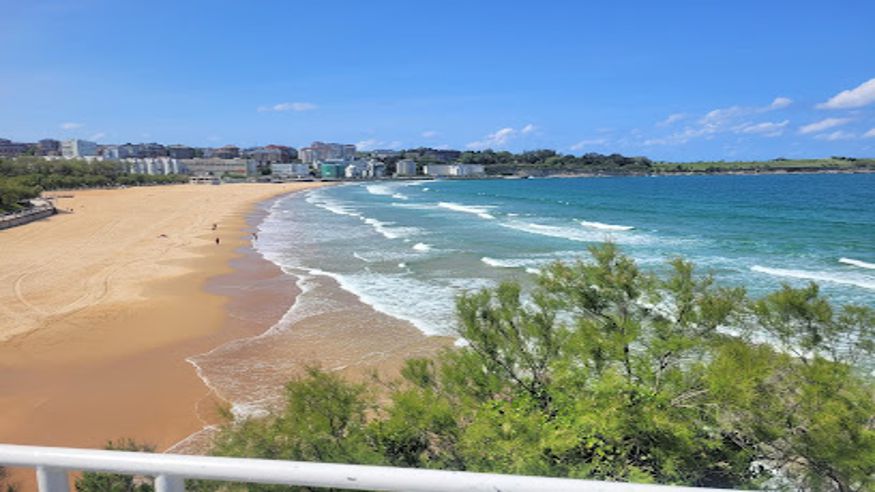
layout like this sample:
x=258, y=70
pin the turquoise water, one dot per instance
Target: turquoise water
x=408, y=248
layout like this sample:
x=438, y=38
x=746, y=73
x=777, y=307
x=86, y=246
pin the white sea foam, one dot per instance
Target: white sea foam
x=575, y=233
x=332, y=206
x=399, y=196
x=857, y=263
x=605, y=227
x=533, y=271
x=481, y=211
x=422, y=247
x=379, y=189
x=508, y=262
x=432, y=313
x=360, y=257
x=390, y=232
x=819, y=276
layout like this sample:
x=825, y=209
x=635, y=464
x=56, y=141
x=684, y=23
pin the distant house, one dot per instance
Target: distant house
x=75, y=148
x=218, y=167
x=290, y=170
x=453, y=170
x=405, y=167
x=333, y=170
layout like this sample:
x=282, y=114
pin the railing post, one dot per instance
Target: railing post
x=169, y=483
x=51, y=479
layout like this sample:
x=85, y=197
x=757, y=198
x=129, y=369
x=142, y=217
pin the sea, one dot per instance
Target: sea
x=406, y=249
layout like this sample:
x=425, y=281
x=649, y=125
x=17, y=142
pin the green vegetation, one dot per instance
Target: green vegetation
x=25, y=177
x=547, y=162
x=111, y=482
x=607, y=372
x=835, y=163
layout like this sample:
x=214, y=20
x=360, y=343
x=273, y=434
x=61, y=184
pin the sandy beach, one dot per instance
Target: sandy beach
x=101, y=307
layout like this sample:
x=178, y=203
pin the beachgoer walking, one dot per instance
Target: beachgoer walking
x=217, y=240
x=255, y=236
x=215, y=226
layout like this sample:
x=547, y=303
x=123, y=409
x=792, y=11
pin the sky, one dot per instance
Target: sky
x=671, y=80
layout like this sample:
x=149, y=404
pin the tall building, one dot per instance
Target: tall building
x=180, y=152
x=321, y=151
x=11, y=149
x=75, y=148
x=405, y=167
x=227, y=152
x=48, y=146
x=273, y=154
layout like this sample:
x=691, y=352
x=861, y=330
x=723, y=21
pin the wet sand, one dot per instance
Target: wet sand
x=93, y=366
x=98, y=312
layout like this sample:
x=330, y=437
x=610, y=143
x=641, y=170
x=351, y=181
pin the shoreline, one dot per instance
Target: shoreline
x=96, y=339
x=351, y=338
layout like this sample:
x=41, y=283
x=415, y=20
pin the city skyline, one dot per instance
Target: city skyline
x=575, y=78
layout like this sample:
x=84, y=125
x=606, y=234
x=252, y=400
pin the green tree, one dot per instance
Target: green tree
x=604, y=371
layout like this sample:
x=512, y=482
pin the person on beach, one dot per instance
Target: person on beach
x=217, y=241
x=255, y=236
x=215, y=226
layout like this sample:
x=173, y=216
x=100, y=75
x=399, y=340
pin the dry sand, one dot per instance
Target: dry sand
x=99, y=310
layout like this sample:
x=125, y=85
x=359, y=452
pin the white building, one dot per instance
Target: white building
x=405, y=167
x=375, y=169
x=453, y=170
x=75, y=148
x=468, y=170
x=153, y=165
x=290, y=170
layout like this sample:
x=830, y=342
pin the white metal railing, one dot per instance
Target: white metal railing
x=170, y=471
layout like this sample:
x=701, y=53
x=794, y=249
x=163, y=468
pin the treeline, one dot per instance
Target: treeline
x=24, y=178
x=835, y=163
x=606, y=372
x=546, y=162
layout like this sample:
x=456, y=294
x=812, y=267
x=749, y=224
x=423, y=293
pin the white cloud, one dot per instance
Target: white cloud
x=869, y=134
x=70, y=126
x=288, y=106
x=497, y=139
x=97, y=136
x=862, y=95
x=836, y=135
x=766, y=128
x=429, y=134
x=780, y=102
x=373, y=143
x=672, y=118
x=501, y=137
x=824, y=124
x=591, y=142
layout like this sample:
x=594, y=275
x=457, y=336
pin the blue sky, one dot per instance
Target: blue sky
x=681, y=80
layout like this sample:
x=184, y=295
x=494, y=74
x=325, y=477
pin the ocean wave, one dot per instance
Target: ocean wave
x=481, y=211
x=399, y=196
x=379, y=189
x=533, y=271
x=819, y=276
x=422, y=247
x=390, y=232
x=575, y=233
x=605, y=227
x=508, y=262
x=333, y=206
x=857, y=263
x=432, y=313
